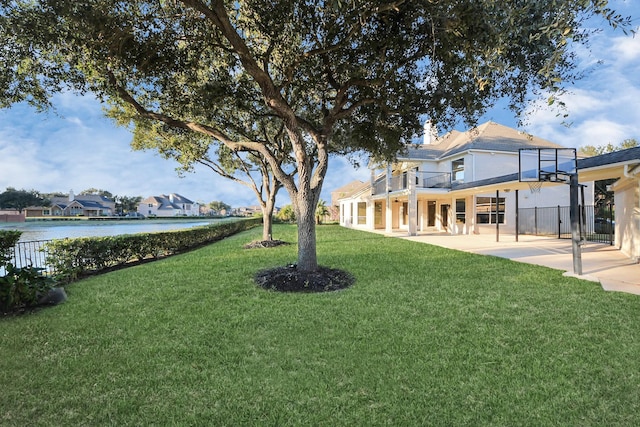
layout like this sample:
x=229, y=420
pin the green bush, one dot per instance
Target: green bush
x=19, y=287
x=23, y=287
x=73, y=258
x=8, y=240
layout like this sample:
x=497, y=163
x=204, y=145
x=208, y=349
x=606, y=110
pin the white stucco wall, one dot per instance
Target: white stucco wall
x=627, y=231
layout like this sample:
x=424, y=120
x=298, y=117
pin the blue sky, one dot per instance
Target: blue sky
x=78, y=148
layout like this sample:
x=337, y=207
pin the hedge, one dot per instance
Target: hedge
x=8, y=239
x=74, y=258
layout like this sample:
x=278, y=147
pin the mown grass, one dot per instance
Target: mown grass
x=426, y=336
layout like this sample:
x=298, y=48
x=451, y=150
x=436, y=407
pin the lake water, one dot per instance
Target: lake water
x=47, y=230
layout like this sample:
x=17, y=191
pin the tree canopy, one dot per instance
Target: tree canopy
x=97, y=192
x=21, y=199
x=596, y=150
x=219, y=205
x=338, y=76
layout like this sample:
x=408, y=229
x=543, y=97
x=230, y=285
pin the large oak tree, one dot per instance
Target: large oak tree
x=338, y=75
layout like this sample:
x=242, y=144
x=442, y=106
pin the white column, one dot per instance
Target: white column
x=371, y=212
x=388, y=211
x=413, y=202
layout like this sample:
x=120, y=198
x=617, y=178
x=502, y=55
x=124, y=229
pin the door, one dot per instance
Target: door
x=431, y=213
x=444, y=216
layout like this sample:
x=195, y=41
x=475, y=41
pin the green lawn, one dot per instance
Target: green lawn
x=426, y=336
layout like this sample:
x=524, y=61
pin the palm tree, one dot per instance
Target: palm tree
x=321, y=211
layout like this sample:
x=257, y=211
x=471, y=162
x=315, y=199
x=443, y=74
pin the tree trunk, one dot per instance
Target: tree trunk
x=305, y=217
x=267, y=208
x=267, y=224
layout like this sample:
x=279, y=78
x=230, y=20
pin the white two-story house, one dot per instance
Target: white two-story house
x=468, y=183
x=430, y=187
x=168, y=206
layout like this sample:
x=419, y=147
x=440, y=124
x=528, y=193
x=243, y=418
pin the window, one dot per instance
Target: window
x=486, y=210
x=377, y=220
x=461, y=210
x=457, y=170
x=405, y=213
x=362, y=212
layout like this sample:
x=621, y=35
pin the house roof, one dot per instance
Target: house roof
x=489, y=136
x=621, y=156
x=86, y=201
x=165, y=202
x=347, y=190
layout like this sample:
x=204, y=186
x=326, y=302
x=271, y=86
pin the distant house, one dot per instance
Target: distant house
x=342, y=193
x=72, y=205
x=248, y=210
x=168, y=206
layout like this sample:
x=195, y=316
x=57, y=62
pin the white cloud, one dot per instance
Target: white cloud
x=626, y=49
x=604, y=106
x=78, y=148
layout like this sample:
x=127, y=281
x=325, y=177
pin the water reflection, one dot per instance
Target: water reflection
x=47, y=230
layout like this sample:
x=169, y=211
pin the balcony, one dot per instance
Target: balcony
x=423, y=180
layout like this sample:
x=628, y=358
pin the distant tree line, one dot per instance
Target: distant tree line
x=22, y=199
x=596, y=150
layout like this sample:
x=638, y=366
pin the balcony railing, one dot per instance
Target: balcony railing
x=423, y=180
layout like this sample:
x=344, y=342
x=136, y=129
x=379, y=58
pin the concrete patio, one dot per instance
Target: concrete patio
x=600, y=262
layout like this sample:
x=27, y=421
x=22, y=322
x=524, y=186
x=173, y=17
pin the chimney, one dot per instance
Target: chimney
x=71, y=196
x=430, y=133
x=171, y=197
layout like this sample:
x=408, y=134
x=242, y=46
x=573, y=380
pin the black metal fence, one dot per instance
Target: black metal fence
x=30, y=254
x=596, y=222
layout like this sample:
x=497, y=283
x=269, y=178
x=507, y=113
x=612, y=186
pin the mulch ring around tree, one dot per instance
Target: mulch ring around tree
x=289, y=279
x=264, y=244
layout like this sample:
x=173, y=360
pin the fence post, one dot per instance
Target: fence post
x=580, y=220
x=517, y=216
x=535, y=219
x=610, y=205
x=559, y=223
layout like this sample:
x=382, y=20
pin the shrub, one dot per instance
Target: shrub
x=23, y=287
x=8, y=240
x=73, y=258
x=286, y=214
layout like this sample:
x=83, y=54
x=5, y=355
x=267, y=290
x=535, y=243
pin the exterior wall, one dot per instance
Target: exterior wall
x=433, y=166
x=12, y=216
x=37, y=212
x=151, y=209
x=627, y=229
x=482, y=165
x=477, y=165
